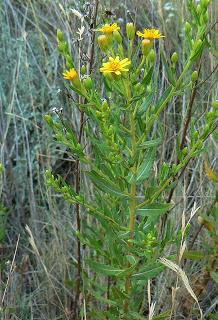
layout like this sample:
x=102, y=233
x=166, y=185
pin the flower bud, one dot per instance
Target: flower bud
x=197, y=45
x=48, y=119
x=204, y=4
x=88, y=84
x=174, y=168
x=60, y=35
x=146, y=46
x=174, y=58
x=117, y=37
x=130, y=30
x=199, y=145
x=194, y=76
x=188, y=27
x=83, y=70
x=205, y=17
x=199, y=9
x=151, y=56
x=103, y=42
x=185, y=151
x=196, y=134
x=104, y=105
x=206, y=130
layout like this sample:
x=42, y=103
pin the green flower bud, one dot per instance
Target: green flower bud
x=204, y=4
x=194, y=76
x=196, y=134
x=104, y=105
x=188, y=27
x=130, y=30
x=199, y=145
x=83, y=70
x=205, y=17
x=117, y=37
x=199, y=9
x=48, y=119
x=185, y=151
x=206, y=130
x=98, y=115
x=103, y=42
x=174, y=57
x=88, y=84
x=60, y=35
x=146, y=46
x=151, y=56
x=197, y=45
x=174, y=168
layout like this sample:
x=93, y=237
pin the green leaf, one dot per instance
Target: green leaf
x=145, y=104
x=154, y=211
x=104, y=300
x=194, y=255
x=150, y=271
x=145, y=167
x=163, y=315
x=163, y=97
x=108, y=270
x=147, y=78
x=106, y=185
x=169, y=72
x=150, y=143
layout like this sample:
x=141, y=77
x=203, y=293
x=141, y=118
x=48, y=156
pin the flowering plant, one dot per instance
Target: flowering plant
x=127, y=193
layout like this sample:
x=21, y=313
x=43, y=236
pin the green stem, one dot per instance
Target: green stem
x=132, y=202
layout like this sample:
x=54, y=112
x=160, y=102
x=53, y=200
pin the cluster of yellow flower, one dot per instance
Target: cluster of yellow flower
x=116, y=66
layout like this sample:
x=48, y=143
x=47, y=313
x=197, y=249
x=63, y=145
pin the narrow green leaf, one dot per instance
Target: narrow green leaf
x=145, y=104
x=194, y=255
x=150, y=271
x=147, y=78
x=163, y=315
x=163, y=97
x=154, y=211
x=150, y=144
x=106, y=185
x=108, y=270
x=145, y=167
x=169, y=72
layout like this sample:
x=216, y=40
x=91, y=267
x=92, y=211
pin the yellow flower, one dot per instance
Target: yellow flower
x=108, y=29
x=150, y=34
x=70, y=74
x=115, y=66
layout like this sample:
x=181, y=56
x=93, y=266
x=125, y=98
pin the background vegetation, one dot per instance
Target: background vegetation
x=37, y=267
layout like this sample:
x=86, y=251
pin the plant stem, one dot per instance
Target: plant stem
x=132, y=203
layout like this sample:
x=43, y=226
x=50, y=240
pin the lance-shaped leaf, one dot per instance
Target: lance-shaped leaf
x=150, y=271
x=147, y=78
x=150, y=143
x=154, y=211
x=106, y=185
x=108, y=270
x=145, y=167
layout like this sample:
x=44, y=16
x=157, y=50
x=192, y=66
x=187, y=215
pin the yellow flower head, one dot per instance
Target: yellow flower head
x=108, y=29
x=70, y=74
x=150, y=34
x=115, y=66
